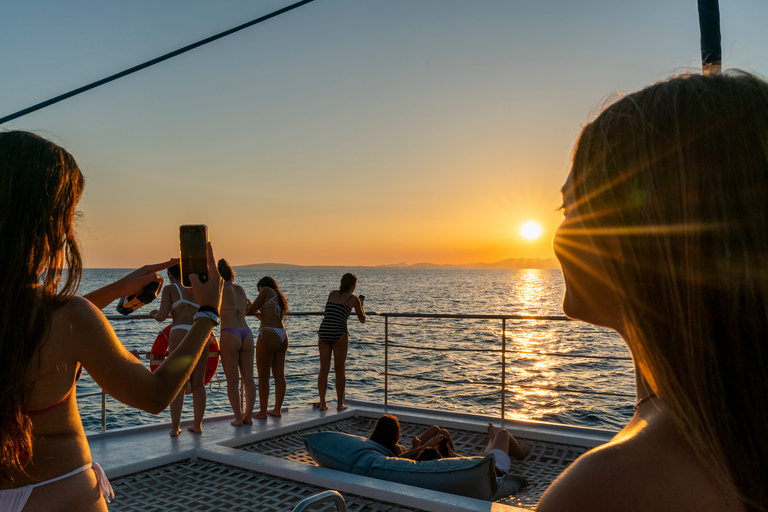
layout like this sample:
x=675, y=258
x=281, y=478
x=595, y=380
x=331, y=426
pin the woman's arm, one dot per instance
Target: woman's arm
x=256, y=306
x=118, y=372
x=414, y=452
x=165, y=306
x=128, y=285
x=357, y=304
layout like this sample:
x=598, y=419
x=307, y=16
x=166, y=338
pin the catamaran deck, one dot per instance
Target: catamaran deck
x=266, y=467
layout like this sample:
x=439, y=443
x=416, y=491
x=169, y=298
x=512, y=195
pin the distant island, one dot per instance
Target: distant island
x=511, y=263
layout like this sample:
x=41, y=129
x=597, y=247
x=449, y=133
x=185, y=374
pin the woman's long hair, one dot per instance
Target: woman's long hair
x=271, y=283
x=40, y=185
x=386, y=432
x=671, y=184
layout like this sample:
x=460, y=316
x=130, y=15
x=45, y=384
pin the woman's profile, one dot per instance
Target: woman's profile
x=333, y=338
x=47, y=334
x=665, y=240
x=237, y=348
x=179, y=302
x=271, y=345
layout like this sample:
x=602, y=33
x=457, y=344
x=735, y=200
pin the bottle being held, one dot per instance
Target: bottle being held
x=128, y=305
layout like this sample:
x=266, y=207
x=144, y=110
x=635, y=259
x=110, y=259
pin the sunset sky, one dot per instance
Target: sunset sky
x=344, y=132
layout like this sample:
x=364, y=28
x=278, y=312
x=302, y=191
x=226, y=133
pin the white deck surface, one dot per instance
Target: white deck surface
x=129, y=450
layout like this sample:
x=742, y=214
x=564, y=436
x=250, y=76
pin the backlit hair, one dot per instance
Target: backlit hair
x=347, y=282
x=671, y=183
x=225, y=270
x=40, y=185
x=271, y=283
x=386, y=432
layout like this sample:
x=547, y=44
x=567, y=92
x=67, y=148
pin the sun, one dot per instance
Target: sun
x=531, y=230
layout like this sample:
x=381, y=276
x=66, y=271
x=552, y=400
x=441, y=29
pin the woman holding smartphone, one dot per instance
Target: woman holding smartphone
x=47, y=334
x=179, y=302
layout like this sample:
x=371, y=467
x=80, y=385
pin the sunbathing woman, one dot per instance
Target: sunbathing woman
x=665, y=240
x=271, y=345
x=236, y=346
x=180, y=303
x=47, y=334
x=333, y=338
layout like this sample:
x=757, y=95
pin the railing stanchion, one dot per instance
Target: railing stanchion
x=386, y=362
x=103, y=411
x=503, y=368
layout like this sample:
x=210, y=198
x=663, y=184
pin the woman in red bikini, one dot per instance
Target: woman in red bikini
x=47, y=334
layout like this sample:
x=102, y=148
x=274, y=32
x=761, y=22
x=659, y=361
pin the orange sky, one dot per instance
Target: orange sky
x=342, y=133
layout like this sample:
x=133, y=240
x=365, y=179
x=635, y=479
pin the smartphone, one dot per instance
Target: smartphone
x=194, y=260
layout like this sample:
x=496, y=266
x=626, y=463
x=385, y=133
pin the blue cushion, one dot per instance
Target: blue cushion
x=473, y=477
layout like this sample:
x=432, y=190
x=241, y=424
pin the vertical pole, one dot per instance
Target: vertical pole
x=709, y=27
x=103, y=411
x=503, y=368
x=386, y=362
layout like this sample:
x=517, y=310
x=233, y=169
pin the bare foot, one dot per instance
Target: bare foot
x=275, y=413
x=340, y=407
x=195, y=431
x=247, y=420
x=320, y=406
x=491, y=432
x=175, y=433
x=415, y=442
x=236, y=423
x=260, y=415
x=525, y=448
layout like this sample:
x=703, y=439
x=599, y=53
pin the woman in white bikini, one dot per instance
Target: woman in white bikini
x=271, y=345
x=179, y=303
x=236, y=346
x=47, y=334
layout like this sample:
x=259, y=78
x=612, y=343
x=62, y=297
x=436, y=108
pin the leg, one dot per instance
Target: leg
x=339, y=368
x=266, y=346
x=326, y=351
x=198, y=392
x=230, y=353
x=246, y=372
x=174, y=340
x=278, y=374
x=504, y=441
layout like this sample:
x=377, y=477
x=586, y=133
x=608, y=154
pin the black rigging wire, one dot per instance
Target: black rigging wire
x=149, y=63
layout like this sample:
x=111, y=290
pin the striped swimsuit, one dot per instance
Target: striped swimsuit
x=334, y=324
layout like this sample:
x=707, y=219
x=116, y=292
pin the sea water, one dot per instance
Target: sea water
x=450, y=364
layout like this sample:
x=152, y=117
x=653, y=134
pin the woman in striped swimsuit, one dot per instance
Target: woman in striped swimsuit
x=334, y=339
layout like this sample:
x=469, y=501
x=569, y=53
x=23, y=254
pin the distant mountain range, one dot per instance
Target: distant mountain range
x=511, y=263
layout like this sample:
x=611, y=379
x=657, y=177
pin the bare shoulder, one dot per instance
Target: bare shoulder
x=650, y=467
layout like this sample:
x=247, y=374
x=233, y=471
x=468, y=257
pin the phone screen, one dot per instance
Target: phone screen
x=192, y=240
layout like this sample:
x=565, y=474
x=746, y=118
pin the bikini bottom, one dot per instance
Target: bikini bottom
x=280, y=332
x=243, y=333
x=13, y=500
x=185, y=327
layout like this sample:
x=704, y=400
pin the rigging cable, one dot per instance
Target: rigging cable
x=149, y=63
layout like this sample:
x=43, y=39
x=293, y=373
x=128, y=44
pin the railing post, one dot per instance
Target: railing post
x=103, y=411
x=503, y=368
x=386, y=362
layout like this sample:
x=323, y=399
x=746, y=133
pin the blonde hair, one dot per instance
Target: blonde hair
x=671, y=183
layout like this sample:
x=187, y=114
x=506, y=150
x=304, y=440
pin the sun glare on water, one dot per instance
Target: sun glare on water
x=531, y=230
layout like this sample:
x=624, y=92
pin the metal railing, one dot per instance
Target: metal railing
x=503, y=351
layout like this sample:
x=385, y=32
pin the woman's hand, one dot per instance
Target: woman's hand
x=209, y=292
x=129, y=285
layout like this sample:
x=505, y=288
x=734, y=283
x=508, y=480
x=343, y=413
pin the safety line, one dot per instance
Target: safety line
x=149, y=63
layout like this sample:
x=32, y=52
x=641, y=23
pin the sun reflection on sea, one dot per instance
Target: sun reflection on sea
x=528, y=369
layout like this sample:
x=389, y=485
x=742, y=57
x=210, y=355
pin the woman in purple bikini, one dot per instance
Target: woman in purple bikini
x=236, y=346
